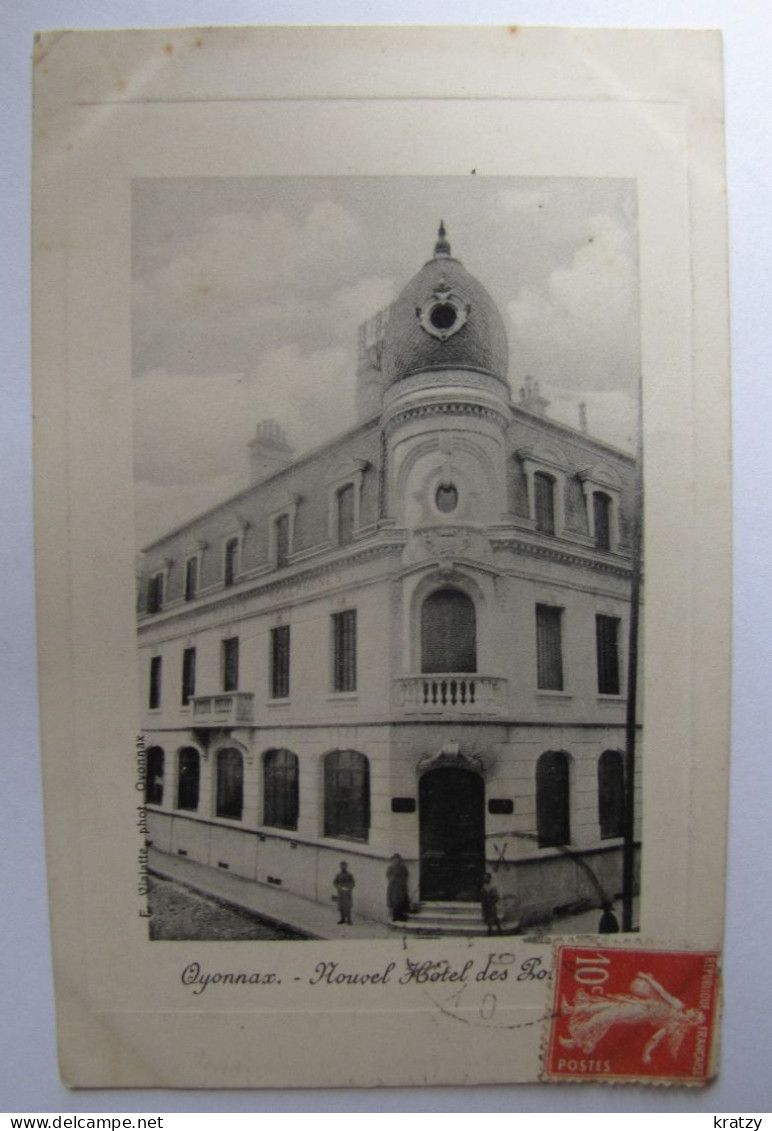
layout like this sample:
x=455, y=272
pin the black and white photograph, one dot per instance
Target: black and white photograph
x=387, y=508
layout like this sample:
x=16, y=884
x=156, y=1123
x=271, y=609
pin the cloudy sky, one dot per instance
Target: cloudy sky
x=248, y=294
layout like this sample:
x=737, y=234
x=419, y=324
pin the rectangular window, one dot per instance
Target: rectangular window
x=154, y=694
x=549, y=648
x=230, y=664
x=155, y=593
x=280, y=662
x=607, y=636
x=346, y=515
x=188, y=675
x=231, y=560
x=344, y=640
x=191, y=579
x=282, y=540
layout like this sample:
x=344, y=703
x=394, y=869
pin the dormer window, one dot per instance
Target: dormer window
x=282, y=527
x=546, y=469
x=544, y=502
x=602, y=493
x=231, y=564
x=346, y=503
x=191, y=579
x=155, y=593
x=281, y=532
x=601, y=507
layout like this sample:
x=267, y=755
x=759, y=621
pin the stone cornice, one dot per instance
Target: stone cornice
x=269, y=583
x=563, y=557
x=444, y=408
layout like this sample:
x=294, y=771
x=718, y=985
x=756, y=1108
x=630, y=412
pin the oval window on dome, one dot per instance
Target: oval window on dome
x=446, y=498
x=443, y=316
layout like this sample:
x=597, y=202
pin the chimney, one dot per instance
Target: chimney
x=269, y=451
x=582, y=416
x=531, y=399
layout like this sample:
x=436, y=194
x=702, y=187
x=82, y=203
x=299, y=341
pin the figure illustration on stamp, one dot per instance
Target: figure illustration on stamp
x=648, y=1003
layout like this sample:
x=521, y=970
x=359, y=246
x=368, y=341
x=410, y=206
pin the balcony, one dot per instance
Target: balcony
x=450, y=696
x=230, y=709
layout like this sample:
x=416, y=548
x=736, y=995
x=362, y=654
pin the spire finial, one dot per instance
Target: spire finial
x=442, y=247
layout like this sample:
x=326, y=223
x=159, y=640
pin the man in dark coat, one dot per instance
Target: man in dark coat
x=397, y=898
x=489, y=905
x=344, y=885
x=609, y=924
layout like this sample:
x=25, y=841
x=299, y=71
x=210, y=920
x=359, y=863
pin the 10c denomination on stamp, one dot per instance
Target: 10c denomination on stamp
x=632, y=1014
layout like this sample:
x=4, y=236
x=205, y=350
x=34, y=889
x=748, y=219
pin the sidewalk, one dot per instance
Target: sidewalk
x=282, y=907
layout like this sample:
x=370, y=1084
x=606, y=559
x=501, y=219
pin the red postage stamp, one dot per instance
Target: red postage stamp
x=630, y=1014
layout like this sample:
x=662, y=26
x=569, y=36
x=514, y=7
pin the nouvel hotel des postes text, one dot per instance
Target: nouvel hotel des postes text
x=412, y=639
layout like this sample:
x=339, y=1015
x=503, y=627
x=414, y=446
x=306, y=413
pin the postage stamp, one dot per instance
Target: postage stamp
x=623, y=1013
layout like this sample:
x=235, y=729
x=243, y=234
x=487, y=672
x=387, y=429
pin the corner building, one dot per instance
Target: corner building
x=412, y=639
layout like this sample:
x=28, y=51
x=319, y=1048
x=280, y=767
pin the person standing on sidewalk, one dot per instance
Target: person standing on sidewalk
x=397, y=898
x=344, y=885
x=489, y=905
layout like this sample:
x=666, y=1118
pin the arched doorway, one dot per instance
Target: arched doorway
x=452, y=837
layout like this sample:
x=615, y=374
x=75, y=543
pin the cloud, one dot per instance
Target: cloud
x=246, y=283
x=191, y=429
x=580, y=326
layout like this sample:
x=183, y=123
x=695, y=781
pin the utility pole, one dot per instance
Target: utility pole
x=628, y=852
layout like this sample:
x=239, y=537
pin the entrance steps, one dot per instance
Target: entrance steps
x=444, y=919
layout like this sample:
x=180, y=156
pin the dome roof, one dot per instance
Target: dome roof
x=444, y=319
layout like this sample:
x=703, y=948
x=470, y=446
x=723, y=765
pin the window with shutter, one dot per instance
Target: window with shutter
x=549, y=648
x=448, y=633
x=607, y=641
x=345, y=499
x=188, y=675
x=230, y=664
x=280, y=662
x=344, y=642
x=154, y=691
x=282, y=540
x=544, y=489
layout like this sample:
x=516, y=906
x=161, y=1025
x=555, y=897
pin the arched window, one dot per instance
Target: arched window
x=154, y=776
x=544, y=502
x=553, y=823
x=188, y=778
x=601, y=507
x=346, y=795
x=280, y=789
x=230, y=784
x=611, y=794
x=448, y=632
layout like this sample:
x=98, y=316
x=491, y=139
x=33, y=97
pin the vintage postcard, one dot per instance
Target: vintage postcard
x=381, y=389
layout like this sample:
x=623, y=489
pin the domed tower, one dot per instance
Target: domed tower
x=445, y=401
